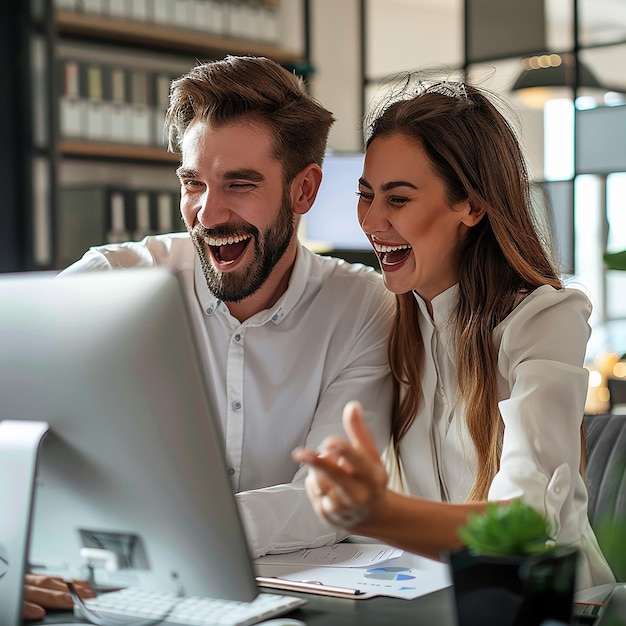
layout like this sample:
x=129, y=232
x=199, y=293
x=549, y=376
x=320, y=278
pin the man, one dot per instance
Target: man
x=288, y=336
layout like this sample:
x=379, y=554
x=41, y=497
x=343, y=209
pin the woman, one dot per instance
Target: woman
x=487, y=346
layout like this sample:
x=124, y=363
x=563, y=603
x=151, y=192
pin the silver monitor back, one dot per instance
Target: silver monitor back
x=132, y=467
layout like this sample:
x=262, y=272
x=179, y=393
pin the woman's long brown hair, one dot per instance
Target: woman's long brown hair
x=477, y=155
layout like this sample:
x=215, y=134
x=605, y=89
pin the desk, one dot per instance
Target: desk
x=435, y=608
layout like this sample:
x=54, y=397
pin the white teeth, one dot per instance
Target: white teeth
x=382, y=249
x=223, y=241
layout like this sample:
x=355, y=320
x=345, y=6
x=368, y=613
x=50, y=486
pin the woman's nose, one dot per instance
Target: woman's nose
x=372, y=219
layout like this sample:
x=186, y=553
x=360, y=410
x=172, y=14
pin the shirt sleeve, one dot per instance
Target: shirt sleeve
x=92, y=260
x=280, y=518
x=149, y=252
x=541, y=356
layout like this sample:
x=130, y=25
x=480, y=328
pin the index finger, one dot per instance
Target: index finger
x=53, y=583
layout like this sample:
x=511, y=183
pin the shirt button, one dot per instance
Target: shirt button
x=237, y=337
x=236, y=406
x=209, y=310
x=275, y=318
x=231, y=471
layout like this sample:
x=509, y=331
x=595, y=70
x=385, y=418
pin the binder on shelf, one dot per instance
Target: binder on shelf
x=65, y=5
x=215, y=20
x=161, y=82
x=92, y=6
x=40, y=95
x=163, y=11
x=243, y=19
x=168, y=213
x=72, y=105
x=98, y=111
x=201, y=15
x=42, y=234
x=141, y=114
x=81, y=221
x=144, y=222
x=154, y=212
x=184, y=13
x=139, y=10
x=227, y=10
x=119, y=8
x=119, y=219
x=251, y=19
x=269, y=21
x=121, y=114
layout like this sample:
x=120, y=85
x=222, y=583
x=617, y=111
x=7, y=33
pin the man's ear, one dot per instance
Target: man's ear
x=473, y=213
x=304, y=188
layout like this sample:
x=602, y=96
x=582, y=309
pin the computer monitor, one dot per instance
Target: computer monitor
x=131, y=473
x=331, y=227
x=333, y=218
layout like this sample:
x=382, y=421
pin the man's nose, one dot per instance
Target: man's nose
x=212, y=209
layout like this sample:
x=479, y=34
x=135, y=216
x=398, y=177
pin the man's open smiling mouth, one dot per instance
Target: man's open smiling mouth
x=226, y=250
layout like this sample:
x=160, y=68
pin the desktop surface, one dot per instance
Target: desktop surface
x=435, y=608
x=432, y=609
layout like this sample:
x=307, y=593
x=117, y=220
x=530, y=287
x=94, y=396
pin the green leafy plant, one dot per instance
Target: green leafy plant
x=514, y=529
x=615, y=260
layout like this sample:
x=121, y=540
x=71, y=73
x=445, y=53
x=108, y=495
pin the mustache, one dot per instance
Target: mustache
x=224, y=230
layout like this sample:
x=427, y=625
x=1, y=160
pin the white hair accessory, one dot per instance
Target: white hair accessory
x=452, y=89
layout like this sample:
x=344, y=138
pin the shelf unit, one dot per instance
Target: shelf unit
x=76, y=149
x=165, y=38
x=159, y=39
x=38, y=159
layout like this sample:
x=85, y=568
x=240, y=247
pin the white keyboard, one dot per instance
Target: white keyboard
x=138, y=606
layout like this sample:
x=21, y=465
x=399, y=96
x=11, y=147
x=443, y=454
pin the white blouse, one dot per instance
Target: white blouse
x=542, y=390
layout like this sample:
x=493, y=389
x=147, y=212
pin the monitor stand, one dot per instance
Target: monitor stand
x=19, y=446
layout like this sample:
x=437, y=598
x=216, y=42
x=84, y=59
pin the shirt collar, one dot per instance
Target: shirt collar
x=442, y=305
x=297, y=284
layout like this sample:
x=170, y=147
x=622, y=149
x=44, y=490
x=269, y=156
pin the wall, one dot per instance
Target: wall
x=401, y=34
x=335, y=54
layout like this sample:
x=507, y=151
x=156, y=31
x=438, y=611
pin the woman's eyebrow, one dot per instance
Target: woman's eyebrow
x=388, y=186
x=397, y=183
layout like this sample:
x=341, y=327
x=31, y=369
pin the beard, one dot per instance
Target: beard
x=269, y=248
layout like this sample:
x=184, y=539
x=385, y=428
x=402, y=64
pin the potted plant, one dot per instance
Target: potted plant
x=615, y=260
x=509, y=572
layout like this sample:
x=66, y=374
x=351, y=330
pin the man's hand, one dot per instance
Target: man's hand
x=48, y=592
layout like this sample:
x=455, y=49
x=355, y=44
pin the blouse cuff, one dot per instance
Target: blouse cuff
x=546, y=494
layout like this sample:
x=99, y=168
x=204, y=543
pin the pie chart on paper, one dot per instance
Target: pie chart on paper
x=389, y=573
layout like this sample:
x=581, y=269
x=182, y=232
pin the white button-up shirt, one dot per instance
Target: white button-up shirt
x=542, y=389
x=281, y=378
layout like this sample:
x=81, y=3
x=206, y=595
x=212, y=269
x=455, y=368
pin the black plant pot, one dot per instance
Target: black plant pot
x=513, y=591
